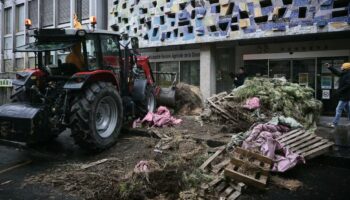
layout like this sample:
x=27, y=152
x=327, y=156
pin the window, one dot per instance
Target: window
x=256, y=68
x=166, y=80
x=8, y=21
x=83, y=9
x=190, y=72
x=20, y=40
x=19, y=64
x=19, y=18
x=47, y=13
x=110, y=51
x=33, y=12
x=92, y=53
x=32, y=62
x=63, y=11
x=8, y=65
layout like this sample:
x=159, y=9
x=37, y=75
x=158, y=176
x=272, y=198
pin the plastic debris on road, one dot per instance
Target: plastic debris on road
x=263, y=138
x=252, y=103
x=160, y=118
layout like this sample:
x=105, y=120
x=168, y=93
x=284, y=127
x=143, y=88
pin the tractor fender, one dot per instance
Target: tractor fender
x=27, y=77
x=79, y=80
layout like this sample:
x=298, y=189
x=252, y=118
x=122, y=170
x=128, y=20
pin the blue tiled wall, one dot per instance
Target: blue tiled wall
x=170, y=22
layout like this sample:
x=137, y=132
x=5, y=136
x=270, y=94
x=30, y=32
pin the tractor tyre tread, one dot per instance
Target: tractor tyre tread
x=80, y=119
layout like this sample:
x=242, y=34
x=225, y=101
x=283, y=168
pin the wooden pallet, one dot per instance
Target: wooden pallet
x=217, y=102
x=258, y=165
x=241, y=155
x=220, y=187
x=305, y=144
x=223, y=189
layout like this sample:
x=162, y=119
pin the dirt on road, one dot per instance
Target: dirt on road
x=178, y=151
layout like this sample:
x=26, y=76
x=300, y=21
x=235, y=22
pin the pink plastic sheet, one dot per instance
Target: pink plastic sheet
x=263, y=138
x=159, y=119
x=252, y=103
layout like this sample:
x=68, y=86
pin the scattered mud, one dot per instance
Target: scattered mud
x=176, y=171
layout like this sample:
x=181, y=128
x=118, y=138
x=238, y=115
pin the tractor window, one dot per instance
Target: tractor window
x=92, y=54
x=110, y=51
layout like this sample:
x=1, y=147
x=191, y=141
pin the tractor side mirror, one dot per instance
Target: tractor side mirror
x=135, y=42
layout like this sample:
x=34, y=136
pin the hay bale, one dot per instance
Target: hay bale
x=189, y=99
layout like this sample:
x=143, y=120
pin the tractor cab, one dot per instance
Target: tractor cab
x=64, y=52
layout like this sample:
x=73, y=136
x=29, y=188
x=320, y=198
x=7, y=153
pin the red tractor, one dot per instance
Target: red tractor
x=94, y=83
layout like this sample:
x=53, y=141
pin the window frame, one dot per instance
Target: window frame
x=19, y=22
x=115, y=39
x=8, y=21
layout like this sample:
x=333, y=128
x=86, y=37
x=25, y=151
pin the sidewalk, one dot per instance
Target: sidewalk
x=340, y=135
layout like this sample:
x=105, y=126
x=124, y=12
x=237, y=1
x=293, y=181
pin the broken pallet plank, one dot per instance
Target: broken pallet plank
x=259, y=183
x=211, y=158
x=253, y=155
x=234, y=195
x=291, y=136
x=319, y=151
x=307, y=144
x=217, y=168
x=289, y=133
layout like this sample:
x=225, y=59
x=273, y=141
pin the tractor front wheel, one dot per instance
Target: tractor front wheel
x=97, y=117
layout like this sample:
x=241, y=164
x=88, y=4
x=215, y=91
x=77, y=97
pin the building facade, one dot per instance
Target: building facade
x=205, y=40
x=44, y=14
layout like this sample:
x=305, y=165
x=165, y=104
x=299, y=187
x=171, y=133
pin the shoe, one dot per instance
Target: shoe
x=331, y=125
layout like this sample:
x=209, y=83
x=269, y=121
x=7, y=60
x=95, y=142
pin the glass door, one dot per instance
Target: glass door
x=304, y=71
x=224, y=66
x=280, y=68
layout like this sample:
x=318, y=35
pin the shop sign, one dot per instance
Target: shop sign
x=5, y=82
x=185, y=55
x=326, y=94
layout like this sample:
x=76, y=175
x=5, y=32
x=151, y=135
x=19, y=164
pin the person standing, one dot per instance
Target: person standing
x=240, y=78
x=343, y=90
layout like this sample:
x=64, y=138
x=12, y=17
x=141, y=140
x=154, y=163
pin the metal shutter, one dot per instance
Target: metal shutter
x=63, y=11
x=33, y=12
x=47, y=13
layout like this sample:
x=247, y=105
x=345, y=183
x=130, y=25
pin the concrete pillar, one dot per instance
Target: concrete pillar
x=26, y=39
x=40, y=5
x=207, y=71
x=2, y=65
x=13, y=54
x=73, y=9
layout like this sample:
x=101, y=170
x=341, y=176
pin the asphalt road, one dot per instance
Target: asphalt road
x=326, y=177
x=17, y=163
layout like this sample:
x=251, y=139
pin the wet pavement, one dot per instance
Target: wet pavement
x=18, y=162
x=326, y=177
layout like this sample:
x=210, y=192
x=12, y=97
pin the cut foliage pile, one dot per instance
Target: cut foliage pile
x=277, y=97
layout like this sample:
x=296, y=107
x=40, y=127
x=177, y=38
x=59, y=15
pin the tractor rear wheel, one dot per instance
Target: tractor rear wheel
x=97, y=117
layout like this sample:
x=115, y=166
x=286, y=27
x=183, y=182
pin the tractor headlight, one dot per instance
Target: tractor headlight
x=81, y=33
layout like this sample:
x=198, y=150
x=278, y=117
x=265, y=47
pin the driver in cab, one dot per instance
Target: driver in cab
x=75, y=57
